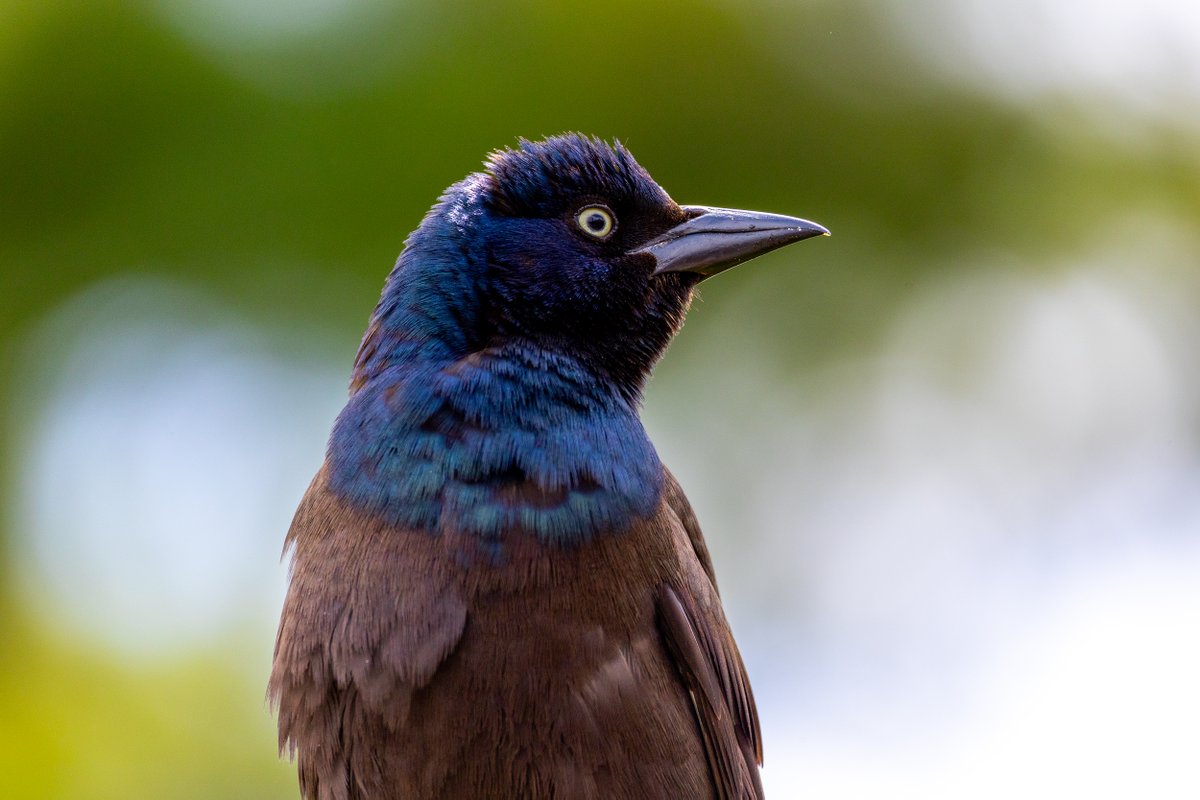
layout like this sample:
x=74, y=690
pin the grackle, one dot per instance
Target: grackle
x=497, y=589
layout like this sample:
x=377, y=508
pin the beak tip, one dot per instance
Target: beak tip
x=712, y=240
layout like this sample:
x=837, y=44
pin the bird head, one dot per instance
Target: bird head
x=568, y=245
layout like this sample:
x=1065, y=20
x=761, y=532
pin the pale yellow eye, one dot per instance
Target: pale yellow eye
x=596, y=221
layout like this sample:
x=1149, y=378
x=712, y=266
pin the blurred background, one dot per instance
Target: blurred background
x=948, y=460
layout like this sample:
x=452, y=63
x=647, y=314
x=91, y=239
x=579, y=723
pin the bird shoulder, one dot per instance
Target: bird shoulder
x=370, y=614
x=701, y=645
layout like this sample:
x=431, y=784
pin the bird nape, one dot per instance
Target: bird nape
x=497, y=589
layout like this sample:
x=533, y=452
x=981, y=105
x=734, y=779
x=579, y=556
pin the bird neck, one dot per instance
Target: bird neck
x=511, y=437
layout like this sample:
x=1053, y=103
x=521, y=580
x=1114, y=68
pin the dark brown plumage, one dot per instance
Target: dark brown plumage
x=402, y=673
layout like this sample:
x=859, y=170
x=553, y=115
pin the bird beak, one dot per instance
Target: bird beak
x=714, y=239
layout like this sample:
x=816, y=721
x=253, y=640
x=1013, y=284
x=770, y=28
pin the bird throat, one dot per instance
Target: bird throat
x=507, y=440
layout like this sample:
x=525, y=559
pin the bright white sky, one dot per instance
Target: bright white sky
x=1139, y=56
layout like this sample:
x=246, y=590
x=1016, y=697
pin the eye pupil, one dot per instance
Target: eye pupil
x=595, y=221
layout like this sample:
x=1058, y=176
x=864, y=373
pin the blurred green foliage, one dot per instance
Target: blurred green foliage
x=79, y=725
x=282, y=171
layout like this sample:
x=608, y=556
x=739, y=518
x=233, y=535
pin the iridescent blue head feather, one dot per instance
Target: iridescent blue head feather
x=497, y=386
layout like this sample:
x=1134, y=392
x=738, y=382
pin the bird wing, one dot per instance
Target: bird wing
x=706, y=656
x=678, y=503
x=333, y=667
